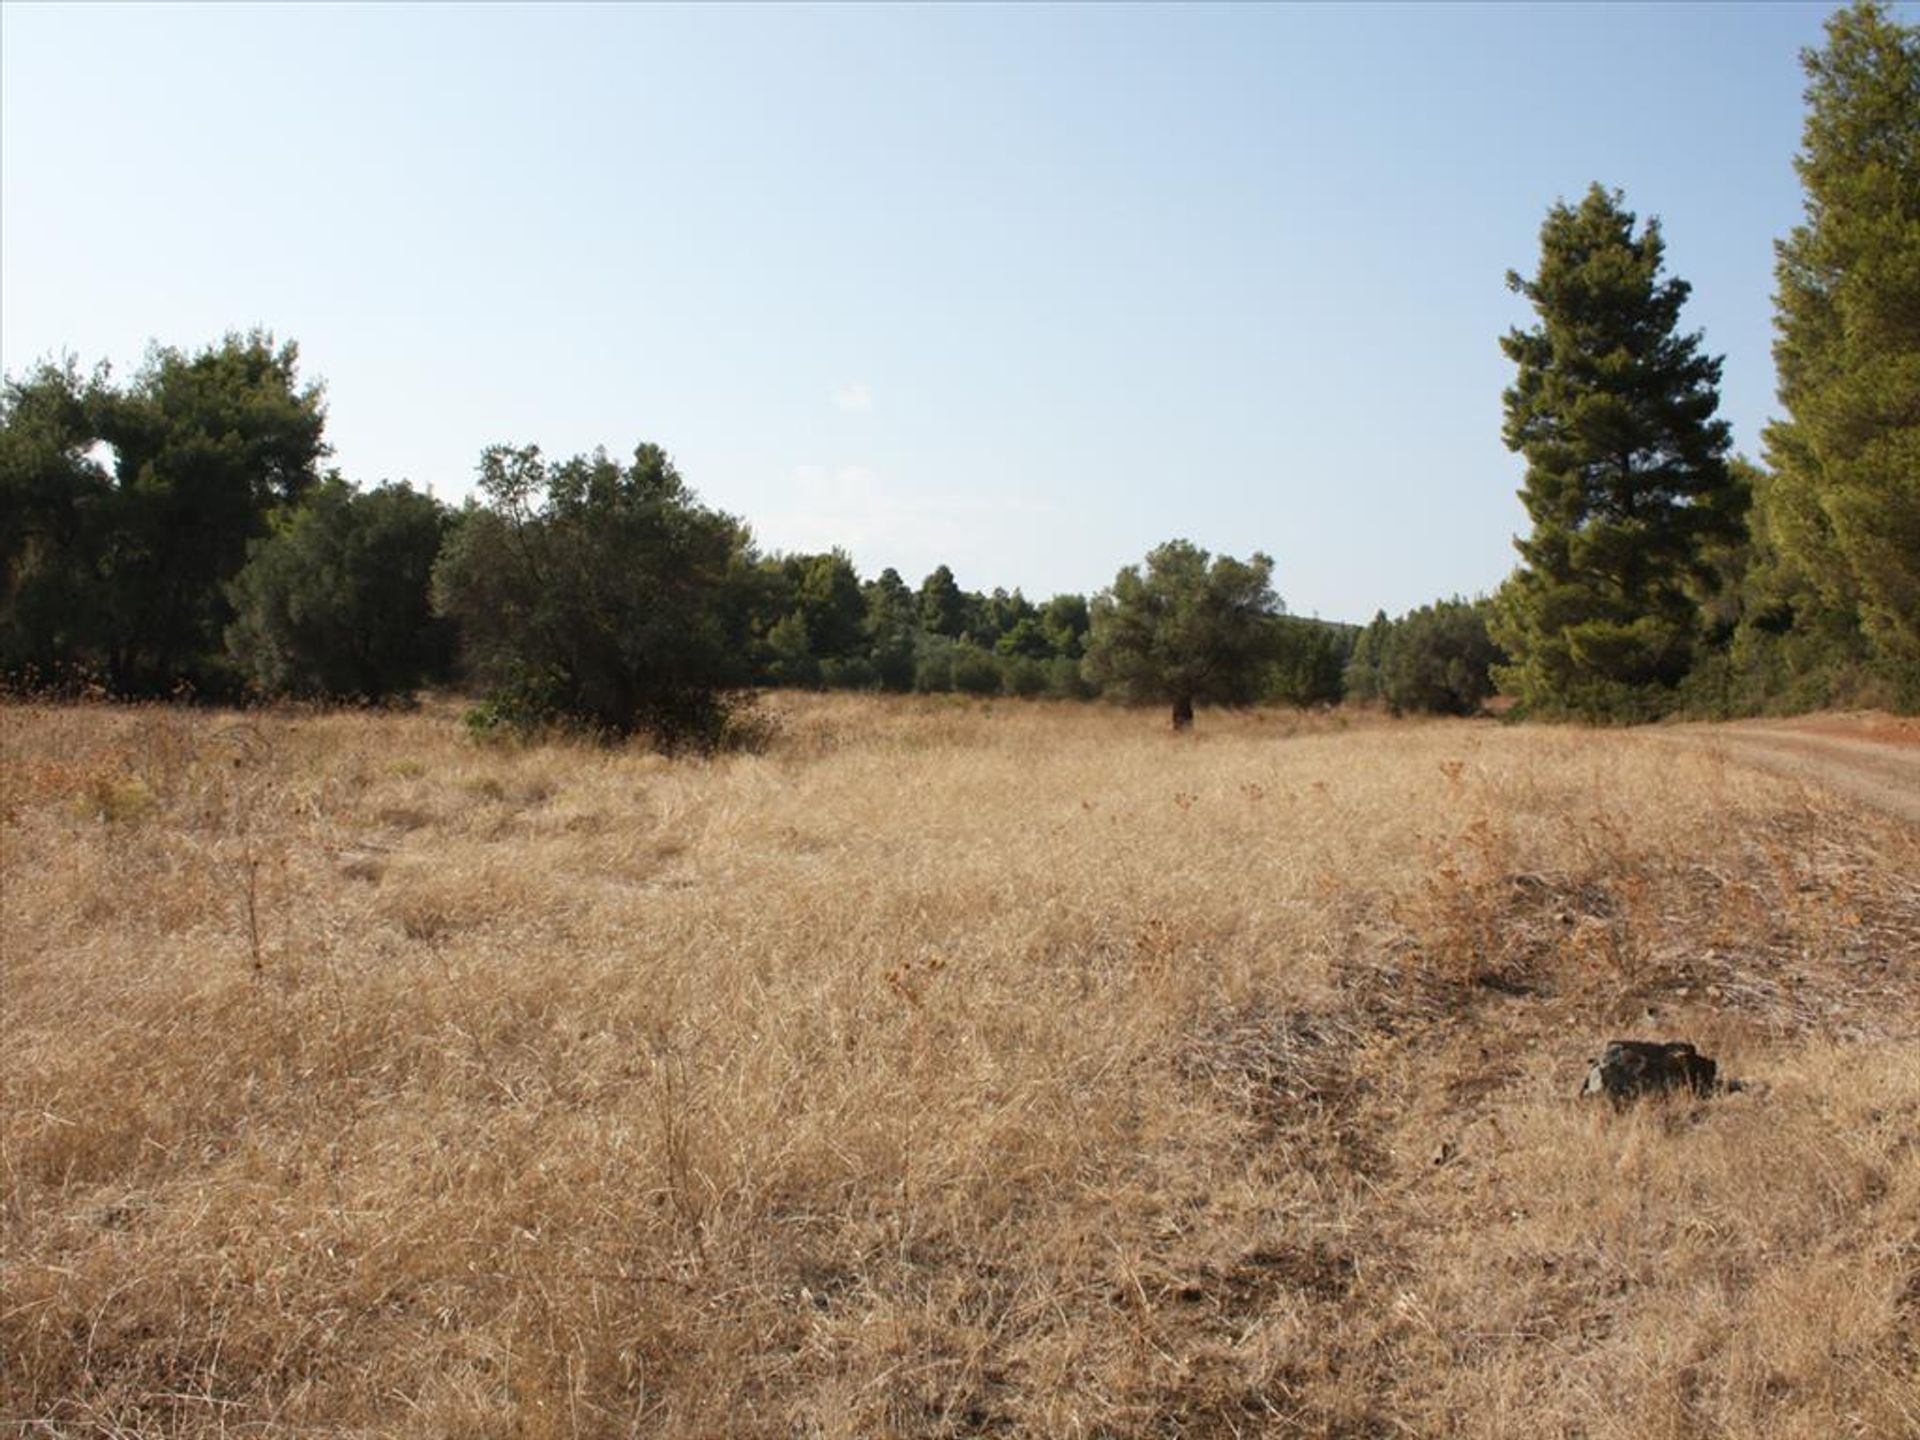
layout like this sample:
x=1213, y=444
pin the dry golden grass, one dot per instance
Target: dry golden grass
x=949, y=1069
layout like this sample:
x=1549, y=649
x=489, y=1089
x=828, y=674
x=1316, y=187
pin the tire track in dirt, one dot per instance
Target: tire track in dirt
x=1883, y=773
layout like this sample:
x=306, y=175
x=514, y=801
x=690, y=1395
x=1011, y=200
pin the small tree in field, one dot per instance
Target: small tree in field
x=598, y=594
x=1184, y=629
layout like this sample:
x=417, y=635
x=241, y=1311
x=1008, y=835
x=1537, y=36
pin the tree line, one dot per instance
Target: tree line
x=178, y=532
x=179, y=529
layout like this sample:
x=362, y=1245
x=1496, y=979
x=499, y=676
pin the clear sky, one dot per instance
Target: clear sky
x=1023, y=289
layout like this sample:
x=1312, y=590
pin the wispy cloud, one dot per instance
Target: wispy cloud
x=855, y=396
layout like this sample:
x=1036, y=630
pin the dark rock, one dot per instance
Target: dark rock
x=1632, y=1068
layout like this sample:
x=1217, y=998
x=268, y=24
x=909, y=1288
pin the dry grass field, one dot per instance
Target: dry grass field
x=947, y=1069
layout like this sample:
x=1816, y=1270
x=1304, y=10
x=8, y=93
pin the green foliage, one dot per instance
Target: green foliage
x=1024, y=676
x=937, y=640
x=828, y=594
x=999, y=617
x=55, y=527
x=1026, y=640
x=1627, y=482
x=790, y=647
x=1308, y=661
x=1763, y=646
x=599, y=595
x=807, y=615
x=892, y=621
x=1839, y=556
x=337, y=601
x=1439, y=659
x=1064, y=621
x=943, y=608
x=123, y=573
x=932, y=663
x=1067, y=679
x=942, y=664
x=1362, y=679
x=974, y=669
x=1182, y=630
x=207, y=447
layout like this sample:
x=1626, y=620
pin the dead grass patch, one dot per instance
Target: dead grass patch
x=945, y=1069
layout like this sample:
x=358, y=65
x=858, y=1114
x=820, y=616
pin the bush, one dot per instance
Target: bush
x=1023, y=676
x=975, y=671
x=1067, y=680
x=932, y=664
x=337, y=601
x=598, y=596
x=1439, y=659
x=856, y=672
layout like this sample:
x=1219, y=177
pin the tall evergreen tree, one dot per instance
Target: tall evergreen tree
x=1627, y=481
x=892, y=623
x=943, y=605
x=1064, y=620
x=832, y=605
x=1841, y=509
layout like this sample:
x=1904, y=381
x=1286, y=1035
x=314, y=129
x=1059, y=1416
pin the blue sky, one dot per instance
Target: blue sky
x=1026, y=290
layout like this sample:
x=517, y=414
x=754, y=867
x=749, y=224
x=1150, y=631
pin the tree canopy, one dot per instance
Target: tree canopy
x=599, y=594
x=129, y=508
x=1185, y=629
x=56, y=524
x=1840, y=511
x=335, y=602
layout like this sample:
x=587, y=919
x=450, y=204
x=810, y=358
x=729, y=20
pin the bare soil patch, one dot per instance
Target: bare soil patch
x=1870, y=758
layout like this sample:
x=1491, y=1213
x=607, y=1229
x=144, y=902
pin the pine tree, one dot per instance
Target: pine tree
x=1627, y=478
x=1840, y=511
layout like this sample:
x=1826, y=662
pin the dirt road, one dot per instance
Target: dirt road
x=1872, y=758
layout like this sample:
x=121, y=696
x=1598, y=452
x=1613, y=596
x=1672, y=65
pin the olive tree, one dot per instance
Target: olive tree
x=598, y=594
x=1184, y=628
